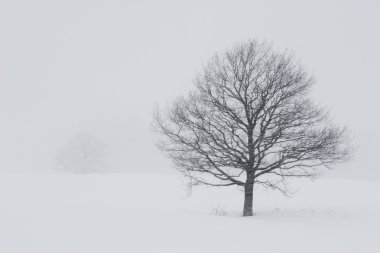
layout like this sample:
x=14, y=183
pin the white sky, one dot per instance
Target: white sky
x=101, y=66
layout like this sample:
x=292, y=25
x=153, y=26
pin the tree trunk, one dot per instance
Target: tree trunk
x=248, y=199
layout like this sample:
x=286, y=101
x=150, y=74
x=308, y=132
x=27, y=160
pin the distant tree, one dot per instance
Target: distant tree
x=83, y=154
x=250, y=121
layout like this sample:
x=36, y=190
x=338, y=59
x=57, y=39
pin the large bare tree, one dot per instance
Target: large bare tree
x=249, y=121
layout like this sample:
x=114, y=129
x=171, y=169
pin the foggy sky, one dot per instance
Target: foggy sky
x=101, y=66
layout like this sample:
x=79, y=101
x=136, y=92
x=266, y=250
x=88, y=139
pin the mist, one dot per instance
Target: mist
x=102, y=66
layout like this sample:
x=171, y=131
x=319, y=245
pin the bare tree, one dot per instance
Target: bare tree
x=250, y=121
x=83, y=154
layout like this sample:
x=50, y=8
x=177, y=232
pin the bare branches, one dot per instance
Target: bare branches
x=250, y=116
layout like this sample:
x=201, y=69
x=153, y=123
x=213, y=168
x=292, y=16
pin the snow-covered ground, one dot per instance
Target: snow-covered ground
x=153, y=213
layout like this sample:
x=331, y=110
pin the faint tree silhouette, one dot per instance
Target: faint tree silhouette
x=83, y=154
